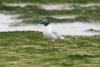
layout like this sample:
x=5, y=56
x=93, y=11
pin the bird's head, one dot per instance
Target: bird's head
x=45, y=22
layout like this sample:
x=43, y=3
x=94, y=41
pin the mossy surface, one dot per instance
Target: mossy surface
x=21, y=49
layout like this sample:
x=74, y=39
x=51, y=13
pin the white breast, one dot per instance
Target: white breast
x=48, y=33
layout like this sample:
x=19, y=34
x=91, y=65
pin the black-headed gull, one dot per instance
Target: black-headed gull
x=49, y=33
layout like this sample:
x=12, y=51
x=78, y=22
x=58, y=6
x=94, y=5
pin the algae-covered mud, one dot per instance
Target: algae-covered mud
x=10, y=23
x=76, y=17
x=23, y=45
x=61, y=11
x=29, y=49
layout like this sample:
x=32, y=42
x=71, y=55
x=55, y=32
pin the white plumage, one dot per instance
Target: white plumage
x=49, y=33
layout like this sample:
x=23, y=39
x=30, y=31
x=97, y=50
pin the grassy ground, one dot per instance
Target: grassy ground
x=28, y=49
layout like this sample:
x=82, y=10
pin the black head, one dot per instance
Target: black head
x=45, y=22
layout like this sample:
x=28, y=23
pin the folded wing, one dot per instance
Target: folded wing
x=57, y=35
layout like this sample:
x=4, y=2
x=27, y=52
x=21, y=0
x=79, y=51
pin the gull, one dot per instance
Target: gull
x=49, y=33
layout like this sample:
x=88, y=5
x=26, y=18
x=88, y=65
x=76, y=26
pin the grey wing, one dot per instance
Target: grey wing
x=57, y=35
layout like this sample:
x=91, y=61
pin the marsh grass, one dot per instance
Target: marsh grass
x=30, y=49
x=34, y=14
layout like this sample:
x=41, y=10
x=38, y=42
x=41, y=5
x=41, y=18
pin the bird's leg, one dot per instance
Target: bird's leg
x=48, y=44
x=53, y=44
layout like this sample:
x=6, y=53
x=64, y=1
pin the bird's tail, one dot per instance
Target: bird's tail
x=62, y=37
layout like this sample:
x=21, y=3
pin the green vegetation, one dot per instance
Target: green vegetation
x=28, y=49
x=52, y=1
x=34, y=14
